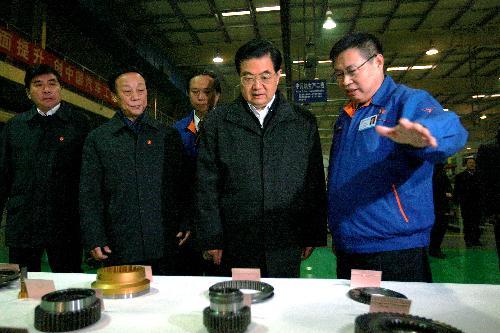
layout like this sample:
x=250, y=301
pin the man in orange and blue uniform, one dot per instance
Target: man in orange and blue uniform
x=385, y=144
x=204, y=91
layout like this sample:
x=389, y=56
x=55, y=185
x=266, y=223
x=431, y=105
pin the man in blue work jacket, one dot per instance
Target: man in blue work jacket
x=385, y=143
x=204, y=90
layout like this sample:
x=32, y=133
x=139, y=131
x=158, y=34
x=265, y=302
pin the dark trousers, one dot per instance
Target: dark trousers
x=189, y=260
x=62, y=259
x=276, y=263
x=471, y=221
x=438, y=232
x=411, y=265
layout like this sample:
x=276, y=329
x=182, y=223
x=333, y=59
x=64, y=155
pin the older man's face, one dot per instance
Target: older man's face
x=131, y=94
x=259, y=81
x=358, y=76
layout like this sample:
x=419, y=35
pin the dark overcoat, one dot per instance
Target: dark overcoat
x=260, y=188
x=40, y=161
x=128, y=190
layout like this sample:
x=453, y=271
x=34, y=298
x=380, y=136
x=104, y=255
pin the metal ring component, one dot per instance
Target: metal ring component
x=226, y=313
x=125, y=281
x=382, y=322
x=364, y=295
x=67, y=310
x=8, y=275
x=264, y=290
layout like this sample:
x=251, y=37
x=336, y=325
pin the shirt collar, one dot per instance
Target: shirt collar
x=261, y=114
x=51, y=112
x=196, y=120
x=266, y=108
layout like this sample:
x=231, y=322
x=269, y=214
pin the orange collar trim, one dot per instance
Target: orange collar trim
x=192, y=127
x=351, y=107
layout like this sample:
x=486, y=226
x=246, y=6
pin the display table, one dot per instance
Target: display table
x=175, y=304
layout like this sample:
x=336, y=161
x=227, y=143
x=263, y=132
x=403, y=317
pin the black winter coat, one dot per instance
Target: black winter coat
x=260, y=188
x=129, y=189
x=40, y=160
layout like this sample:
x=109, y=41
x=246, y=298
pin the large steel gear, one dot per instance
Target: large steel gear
x=364, y=295
x=382, y=322
x=67, y=310
x=8, y=275
x=264, y=290
x=226, y=313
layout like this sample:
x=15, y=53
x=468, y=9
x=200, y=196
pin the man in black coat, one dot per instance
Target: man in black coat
x=131, y=183
x=488, y=164
x=468, y=195
x=40, y=158
x=260, y=182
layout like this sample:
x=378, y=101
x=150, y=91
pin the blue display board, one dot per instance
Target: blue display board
x=309, y=91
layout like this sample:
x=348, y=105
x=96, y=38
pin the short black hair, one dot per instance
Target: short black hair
x=366, y=43
x=207, y=72
x=257, y=48
x=121, y=71
x=39, y=69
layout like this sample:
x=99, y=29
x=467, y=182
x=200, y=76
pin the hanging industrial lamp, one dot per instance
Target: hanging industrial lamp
x=217, y=58
x=329, y=22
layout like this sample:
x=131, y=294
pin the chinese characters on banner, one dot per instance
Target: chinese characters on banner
x=18, y=48
x=309, y=91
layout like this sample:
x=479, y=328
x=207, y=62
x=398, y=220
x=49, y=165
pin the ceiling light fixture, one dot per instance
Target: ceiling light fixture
x=247, y=12
x=267, y=9
x=400, y=68
x=238, y=13
x=329, y=22
x=486, y=96
x=432, y=51
x=409, y=68
x=218, y=58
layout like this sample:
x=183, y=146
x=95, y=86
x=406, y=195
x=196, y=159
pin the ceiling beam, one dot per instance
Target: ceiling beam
x=220, y=22
x=490, y=16
x=253, y=17
x=454, y=20
x=359, y=9
x=389, y=17
x=424, y=15
x=286, y=38
x=185, y=23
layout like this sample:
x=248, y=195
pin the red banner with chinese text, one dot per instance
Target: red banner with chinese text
x=29, y=53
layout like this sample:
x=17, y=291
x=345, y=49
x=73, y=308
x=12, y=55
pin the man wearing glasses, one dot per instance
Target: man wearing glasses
x=260, y=186
x=385, y=143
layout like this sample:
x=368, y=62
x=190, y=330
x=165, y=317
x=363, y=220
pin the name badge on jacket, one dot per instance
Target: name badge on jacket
x=368, y=122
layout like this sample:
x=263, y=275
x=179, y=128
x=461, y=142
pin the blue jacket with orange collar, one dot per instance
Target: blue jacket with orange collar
x=380, y=192
x=187, y=130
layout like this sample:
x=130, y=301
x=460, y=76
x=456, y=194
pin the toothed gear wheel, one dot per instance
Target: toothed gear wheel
x=226, y=313
x=382, y=322
x=67, y=310
x=229, y=323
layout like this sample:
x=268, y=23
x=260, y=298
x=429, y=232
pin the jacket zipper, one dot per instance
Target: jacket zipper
x=400, y=206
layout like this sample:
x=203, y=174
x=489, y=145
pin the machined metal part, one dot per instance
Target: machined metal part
x=382, y=322
x=264, y=290
x=125, y=281
x=364, y=295
x=8, y=275
x=67, y=310
x=13, y=330
x=227, y=312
